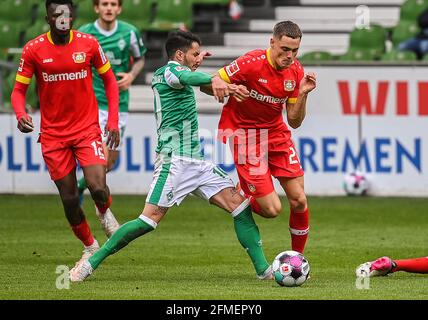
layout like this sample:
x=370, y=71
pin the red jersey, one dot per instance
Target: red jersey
x=64, y=78
x=270, y=89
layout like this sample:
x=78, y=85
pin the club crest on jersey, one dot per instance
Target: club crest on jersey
x=79, y=57
x=251, y=187
x=289, y=85
x=121, y=44
x=232, y=68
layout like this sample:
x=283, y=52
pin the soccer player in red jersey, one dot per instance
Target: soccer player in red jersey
x=385, y=265
x=261, y=140
x=61, y=60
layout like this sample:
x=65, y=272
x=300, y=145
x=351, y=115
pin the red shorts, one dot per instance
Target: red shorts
x=61, y=156
x=278, y=158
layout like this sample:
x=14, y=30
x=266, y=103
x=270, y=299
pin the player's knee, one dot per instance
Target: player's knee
x=99, y=194
x=298, y=203
x=272, y=211
x=70, y=200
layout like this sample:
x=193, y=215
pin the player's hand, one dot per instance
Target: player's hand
x=220, y=88
x=113, y=137
x=25, y=124
x=308, y=83
x=126, y=80
x=204, y=54
x=239, y=92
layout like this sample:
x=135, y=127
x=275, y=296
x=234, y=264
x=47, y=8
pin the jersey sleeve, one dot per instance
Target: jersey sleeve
x=137, y=47
x=299, y=76
x=237, y=71
x=179, y=76
x=99, y=59
x=26, y=67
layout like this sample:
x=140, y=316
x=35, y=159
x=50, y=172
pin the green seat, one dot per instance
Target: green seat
x=357, y=55
x=411, y=9
x=35, y=30
x=404, y=30
x=10, y=34
x=425, y=57
x=138, y=13
x=372, y=39
x=31, y=97
x=172, y=14
x=16, y=10
x=316, y=56
x=395, y=55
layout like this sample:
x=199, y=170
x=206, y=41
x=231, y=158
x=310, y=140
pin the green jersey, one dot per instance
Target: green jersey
x=119, y=45
x=175, y=109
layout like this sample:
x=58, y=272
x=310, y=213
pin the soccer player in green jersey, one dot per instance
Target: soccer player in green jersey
x=180, y=168
x=120, y=41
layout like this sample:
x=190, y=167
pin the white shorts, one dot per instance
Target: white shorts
x=174, y=179
x=123, y=120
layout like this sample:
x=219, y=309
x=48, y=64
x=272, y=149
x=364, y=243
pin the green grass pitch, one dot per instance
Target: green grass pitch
x=194, y=253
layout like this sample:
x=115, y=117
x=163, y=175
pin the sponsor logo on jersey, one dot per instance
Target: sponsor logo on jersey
x=232, y=68
x=79, y=57
x=289, y=85
x=269, y=99
x=262, y=80
x=21, y=65
x=102, y=55
x=65, y=76
x=47, y=60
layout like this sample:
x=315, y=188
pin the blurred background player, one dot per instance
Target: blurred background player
x=274, y=78
x=62, y=61
x=180, y=168
x=121, y=42
x=385, y=265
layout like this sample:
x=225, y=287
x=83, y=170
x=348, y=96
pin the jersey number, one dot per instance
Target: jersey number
x=293, y=156
x=98, y=149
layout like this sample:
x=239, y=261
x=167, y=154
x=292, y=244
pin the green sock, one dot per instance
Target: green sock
x=249, y=236
x=81, y=184
x=124, y=235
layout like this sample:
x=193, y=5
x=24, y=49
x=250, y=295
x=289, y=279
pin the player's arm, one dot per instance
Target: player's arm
x=138, y=50
x=23, y=79
x=296, y=105
x=103, y=67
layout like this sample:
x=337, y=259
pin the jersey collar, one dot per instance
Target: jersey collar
x=106, y=33
x=51, y=41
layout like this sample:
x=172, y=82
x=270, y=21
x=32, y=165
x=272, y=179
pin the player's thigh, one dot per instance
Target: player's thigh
x=270, y=203
x=95, y=176
x=154, y=212
x=67, y=186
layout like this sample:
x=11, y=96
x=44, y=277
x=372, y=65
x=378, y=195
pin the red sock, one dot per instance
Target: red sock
x=299, y=228
x=418, y=265
x=103, y=208
x=83, y=232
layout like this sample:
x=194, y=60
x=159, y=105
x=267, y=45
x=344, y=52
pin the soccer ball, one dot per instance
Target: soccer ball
x=356, y=184
x=290, y=269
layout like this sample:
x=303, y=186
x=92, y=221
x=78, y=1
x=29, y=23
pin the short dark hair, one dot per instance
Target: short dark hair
x=180, y=40
x=288, y=29
x=97, y=2
x=49, y=2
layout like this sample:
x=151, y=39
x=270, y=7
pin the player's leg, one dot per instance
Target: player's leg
x=128, y=232
x=246, y=229
x=299, y=212
x=95, y=176
x=88, y=150
x=217, y=187
x=385, y=265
